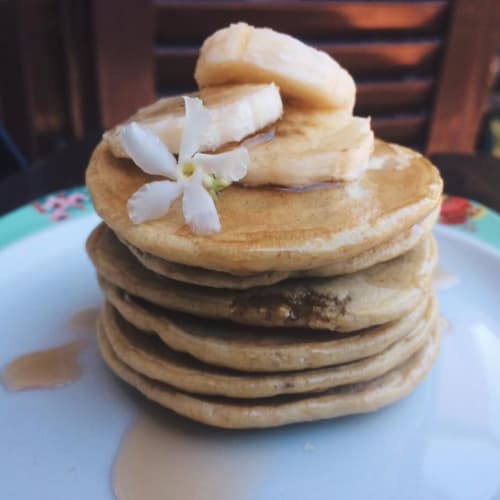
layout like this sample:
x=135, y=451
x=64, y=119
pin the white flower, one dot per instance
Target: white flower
x=197, y=176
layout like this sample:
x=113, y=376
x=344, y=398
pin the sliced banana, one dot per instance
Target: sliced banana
x=237, y=111
x=311, y=146
x=243, y=54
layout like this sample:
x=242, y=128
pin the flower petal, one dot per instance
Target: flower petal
x=230, y=166
x=199, y=208
x=147, y=151
x=152, y=200
x=195, y=125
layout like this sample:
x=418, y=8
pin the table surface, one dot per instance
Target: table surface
x=472, y=176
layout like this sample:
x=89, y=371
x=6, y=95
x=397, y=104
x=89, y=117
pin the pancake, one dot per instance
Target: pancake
x=281, y=410
x=383, y=252
x=244, y=348
x=267, y=229
x=149, y=356
x=377, y=295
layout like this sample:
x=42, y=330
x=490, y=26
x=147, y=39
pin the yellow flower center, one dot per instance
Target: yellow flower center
x=188, y=169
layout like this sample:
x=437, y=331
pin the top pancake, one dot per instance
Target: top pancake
x=268, y=229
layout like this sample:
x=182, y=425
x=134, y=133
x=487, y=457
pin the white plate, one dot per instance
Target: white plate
x=441, y=442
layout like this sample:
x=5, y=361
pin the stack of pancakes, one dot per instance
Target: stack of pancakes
x=309, y=304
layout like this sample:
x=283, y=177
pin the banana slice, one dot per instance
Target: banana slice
x=310, y=147
x=244, y=54
x=237, y=111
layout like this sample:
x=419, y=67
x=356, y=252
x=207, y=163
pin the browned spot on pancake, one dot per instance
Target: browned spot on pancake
x=301, y=303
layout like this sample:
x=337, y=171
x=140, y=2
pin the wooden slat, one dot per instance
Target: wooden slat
x=18, y=107
x=386, y=58
x=462, y=93
x=407, y=130
x=51, y=120
x=192, y=21
x=80, y=72
x=35, y=109
x=124, y=57
x=394, y=96
x=175, y=65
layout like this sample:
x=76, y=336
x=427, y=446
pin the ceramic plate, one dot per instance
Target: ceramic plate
x=441, y=442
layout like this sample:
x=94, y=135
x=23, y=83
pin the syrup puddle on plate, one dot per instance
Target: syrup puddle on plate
x=443, y=279
x=162, y=457
x=45, y=369
x=84, y=320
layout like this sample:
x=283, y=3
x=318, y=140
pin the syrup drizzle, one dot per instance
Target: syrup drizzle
x=44, y=369
x=164, y=457
x=84, y=320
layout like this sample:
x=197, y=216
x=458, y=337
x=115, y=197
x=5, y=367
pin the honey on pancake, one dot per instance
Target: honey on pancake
x=44, y=369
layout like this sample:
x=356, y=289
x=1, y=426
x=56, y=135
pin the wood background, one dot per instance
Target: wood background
x=74, y=67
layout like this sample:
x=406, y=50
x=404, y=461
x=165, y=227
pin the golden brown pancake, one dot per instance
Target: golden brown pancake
x=281, y=410
x=198, y=276
x=377, y=295
x=255, y=349
x=149, y=356
x=267, y=229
